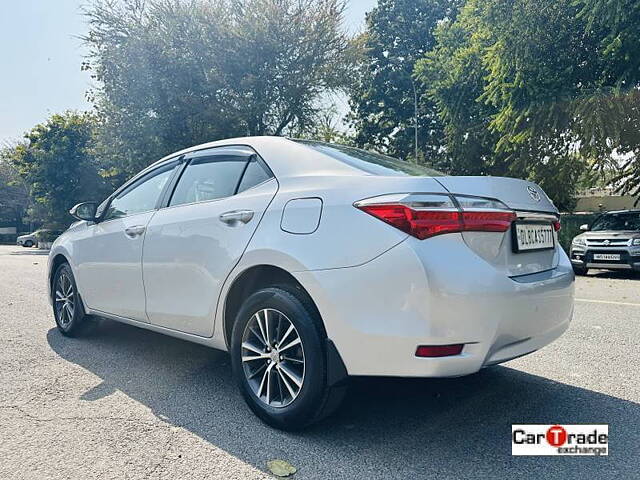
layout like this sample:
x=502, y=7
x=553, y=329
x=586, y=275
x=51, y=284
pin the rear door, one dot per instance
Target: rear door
x=523, y=249
x=193, y=243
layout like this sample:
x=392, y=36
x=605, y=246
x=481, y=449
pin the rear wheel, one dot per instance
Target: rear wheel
x=67, y=306
x=279, y=359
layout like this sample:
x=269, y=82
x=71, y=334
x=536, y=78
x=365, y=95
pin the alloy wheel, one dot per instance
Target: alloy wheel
x=65, y=303
x=273, y=358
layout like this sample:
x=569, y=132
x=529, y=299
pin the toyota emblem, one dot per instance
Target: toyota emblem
x=533, y=193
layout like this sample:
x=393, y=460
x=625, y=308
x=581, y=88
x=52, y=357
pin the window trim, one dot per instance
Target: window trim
x=137, y=180
x=188, y=157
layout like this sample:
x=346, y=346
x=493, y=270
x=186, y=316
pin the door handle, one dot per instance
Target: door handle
x=133, y=232
x=236, y=217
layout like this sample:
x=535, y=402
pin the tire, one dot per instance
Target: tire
x=28, y=244
x=292, y=406
x=580, y=270
x=68, y=310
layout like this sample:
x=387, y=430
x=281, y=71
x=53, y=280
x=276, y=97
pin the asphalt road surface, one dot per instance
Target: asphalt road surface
x=121, y=402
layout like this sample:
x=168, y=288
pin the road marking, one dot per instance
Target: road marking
x=628, y=304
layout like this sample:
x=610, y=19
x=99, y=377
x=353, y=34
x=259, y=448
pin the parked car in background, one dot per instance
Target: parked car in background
x=612, y=242
x=310, y=262
x=42, y=237
x=27, y=240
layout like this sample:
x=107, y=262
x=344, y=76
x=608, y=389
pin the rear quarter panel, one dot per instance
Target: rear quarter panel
x=345, y=236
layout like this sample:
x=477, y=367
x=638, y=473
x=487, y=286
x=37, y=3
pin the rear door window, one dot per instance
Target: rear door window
x=210, y=175
x=255, y=174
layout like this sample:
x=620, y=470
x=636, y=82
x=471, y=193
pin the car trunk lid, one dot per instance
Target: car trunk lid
x=499, y=248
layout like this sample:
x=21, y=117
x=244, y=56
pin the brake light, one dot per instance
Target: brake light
x=419, y=223
x=428, y=215
x=557, y=226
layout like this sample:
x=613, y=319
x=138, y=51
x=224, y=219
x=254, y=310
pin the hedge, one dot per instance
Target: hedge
x=571, y=226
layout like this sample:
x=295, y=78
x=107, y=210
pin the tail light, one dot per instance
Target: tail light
x=428, y=215
x=557, y=225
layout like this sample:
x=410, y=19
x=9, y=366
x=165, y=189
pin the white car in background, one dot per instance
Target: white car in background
x=28, y=240
x=310, y=262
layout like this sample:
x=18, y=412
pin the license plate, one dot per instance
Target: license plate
x=607, y=256
x=533, y=236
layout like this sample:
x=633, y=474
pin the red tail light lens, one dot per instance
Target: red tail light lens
x=430, y=351
x=424, y=216
x=418, y=223
x=557, y=226
x=487, y=221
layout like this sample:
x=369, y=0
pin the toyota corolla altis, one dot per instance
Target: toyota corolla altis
x=311, y=262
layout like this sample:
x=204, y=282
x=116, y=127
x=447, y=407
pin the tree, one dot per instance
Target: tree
x=619, y=20
x=174, y=73
x=524, y=89
x=57, y=164
x=14, y=194
x=384, y=96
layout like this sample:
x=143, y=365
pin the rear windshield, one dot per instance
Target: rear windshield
x=617, y=221
x=371, y=162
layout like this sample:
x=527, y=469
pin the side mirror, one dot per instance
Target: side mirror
x=584, y=227
x=85, y=211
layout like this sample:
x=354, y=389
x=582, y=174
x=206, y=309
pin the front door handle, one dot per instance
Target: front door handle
x=236, y=217
x=133, y=232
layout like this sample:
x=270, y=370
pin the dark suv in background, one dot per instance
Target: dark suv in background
x=612, y=242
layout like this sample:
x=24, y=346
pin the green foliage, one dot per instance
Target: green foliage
x=14, y=194
x=399, y=32
x=571, y=227
x=525, y=88
x=56, y=162
x=175, y=73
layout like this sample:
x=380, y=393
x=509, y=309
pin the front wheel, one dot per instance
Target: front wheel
x=28, y=244
x=279, y=359
x=67, y=306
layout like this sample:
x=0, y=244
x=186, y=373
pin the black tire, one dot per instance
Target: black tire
x=28, y=244
x=315, y=399
x=70, y=318
x=580, y=270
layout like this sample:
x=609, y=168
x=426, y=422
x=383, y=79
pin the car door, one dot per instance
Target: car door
x=109, y=253
x=193, y=244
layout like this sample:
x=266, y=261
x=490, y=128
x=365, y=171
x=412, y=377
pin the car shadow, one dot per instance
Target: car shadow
x=387, y=428
x=615, y=274
x=29, y=251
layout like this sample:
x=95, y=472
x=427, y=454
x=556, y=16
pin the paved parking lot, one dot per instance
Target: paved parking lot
x=121, y=402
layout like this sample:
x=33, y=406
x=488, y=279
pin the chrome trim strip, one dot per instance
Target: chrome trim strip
x=524, y=215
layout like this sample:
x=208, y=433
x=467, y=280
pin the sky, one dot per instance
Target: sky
x=41, y=53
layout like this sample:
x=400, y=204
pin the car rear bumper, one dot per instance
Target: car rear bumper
x=378, y=313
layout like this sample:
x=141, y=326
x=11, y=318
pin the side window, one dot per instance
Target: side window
x=255, y=174
x=141, y=196
x=208, y=177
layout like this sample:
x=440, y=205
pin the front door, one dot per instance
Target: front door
x=109, y=254
x=192, y=245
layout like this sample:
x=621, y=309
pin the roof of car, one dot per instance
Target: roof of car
x=285, y=157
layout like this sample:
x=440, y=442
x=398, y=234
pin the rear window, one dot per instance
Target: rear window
x=371, y=162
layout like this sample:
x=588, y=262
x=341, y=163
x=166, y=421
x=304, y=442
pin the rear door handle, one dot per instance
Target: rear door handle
x=236, y=217
x=135, y=231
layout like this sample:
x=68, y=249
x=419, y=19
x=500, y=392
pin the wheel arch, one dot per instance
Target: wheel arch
x=251, y=280
x=56, y=261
